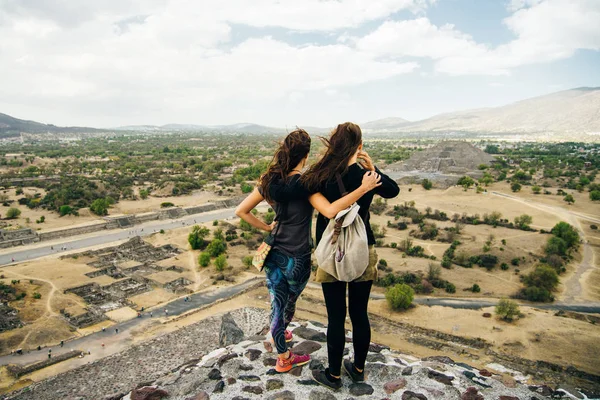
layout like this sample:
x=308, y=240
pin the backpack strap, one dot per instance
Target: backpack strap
x=341, y=186
x=338, y=224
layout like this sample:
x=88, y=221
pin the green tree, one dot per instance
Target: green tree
x=595, y=195
x=400, y=296
x=466, y=182
x=427, y=184
x=507, y=309
x=475, y=288
x=523, y=221
x=196, y=237
x=536, y=189
x=567, y=233
x=99, y=207
x=65, y=210
x=216, y=247
x=543, y=276
x=221, y=262
x=515, y=187
x=144, y=193
x=218, y=234
x=556, y=245
x=569, y=199
x=13, y=213
x=204, y=259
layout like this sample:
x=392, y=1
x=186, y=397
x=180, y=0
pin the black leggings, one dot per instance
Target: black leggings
x=335, y=301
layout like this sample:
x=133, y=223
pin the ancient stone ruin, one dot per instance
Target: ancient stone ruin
x=129, y=263
x=447, y=157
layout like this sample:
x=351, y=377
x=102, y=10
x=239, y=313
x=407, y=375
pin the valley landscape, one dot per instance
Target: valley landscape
x=101, y=244
x=134, y=141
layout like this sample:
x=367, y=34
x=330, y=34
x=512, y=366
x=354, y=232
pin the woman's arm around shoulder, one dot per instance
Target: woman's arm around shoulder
x=370, y=181
x=247, y=205
x=389, y=188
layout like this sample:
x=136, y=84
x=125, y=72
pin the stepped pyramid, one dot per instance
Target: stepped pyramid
x=448, y=157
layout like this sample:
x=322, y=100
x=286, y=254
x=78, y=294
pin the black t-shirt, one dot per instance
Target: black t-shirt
x=294, y=212
x=352, y=181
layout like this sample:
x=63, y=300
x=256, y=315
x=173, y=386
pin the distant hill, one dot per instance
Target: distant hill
x=567, y=112
x=383, y=124
x=11, y=126
x=234, y=128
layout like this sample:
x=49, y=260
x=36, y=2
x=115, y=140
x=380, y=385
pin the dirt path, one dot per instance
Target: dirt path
x=574, y=284
x=49, y=310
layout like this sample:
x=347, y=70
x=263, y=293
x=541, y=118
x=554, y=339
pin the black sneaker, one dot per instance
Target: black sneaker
x=321, y=377
x=353, y=372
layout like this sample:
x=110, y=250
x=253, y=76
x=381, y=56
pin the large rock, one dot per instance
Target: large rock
x=306, y=347
x=318, y=395
x=230, y=332
x=361, y=389
x=149, y=393
x=285, y=395
x=310, y=334
x=471, y=394
x=438, y=376
x=408, y=395
x=394, y=386
x=200, y=396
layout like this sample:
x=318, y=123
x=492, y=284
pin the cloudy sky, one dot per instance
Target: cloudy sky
x=286, y=62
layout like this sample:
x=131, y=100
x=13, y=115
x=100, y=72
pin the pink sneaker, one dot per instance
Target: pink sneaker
x=294, y=360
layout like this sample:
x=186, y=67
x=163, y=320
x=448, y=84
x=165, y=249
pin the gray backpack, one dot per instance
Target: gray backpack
x=343, y=251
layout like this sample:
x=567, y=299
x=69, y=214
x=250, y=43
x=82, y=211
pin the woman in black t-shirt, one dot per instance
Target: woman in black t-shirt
x=344, y=157
x=287, y=267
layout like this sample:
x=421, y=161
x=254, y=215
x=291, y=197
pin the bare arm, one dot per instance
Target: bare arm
x=370, y=181
x=244, y=211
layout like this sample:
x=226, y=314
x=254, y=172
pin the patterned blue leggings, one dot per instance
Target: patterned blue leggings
x=286, y=279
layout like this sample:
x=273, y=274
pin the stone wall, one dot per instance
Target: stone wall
x=27, y=236
x=18, y=371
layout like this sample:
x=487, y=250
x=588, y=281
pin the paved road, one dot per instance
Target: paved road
x=93, y=342
x=104, y=237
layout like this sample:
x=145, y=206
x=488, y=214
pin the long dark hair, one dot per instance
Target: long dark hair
x=291, y=151
x=339, y=149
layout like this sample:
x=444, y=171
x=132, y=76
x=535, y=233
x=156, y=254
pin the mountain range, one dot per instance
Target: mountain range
x=566, y=113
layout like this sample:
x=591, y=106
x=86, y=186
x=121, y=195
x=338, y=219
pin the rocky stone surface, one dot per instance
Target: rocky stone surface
x=200, y=370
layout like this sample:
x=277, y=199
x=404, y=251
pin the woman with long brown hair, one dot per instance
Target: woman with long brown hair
x=287, y=266
x=345, y=158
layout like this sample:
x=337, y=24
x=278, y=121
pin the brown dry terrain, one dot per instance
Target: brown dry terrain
x=539, y=335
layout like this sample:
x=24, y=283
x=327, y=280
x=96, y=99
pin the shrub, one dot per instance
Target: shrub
x=595, y=195
x=427, y=184
x=450, y=287
x=567, y=233
x=446, y=262
x=166, y=204
x=507, y=309
x=536, y=189
x=569, y=199
x=523, y=221
x=218, y=234
x=99, y=207
x=433, y=272
x=556, y=245
x=475, y=288
x=162, y=231
x=515, y=261
x=247, y=261
x=504, y=266
x=215, y=222
x=216, y=247
x=594, y=227
x=378, y=206
x=400, y=296
x=515, y=187
x=488, y=261
x=13, y=213
x=543, y=276
x=534, y=293
x=37, y=296
x=196, y=237
x=220, y=262
x=204, y=259
x=246, y=188
x=65, y=210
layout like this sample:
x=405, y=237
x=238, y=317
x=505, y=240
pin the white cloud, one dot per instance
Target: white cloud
x=175, y=57
x=545, y=31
